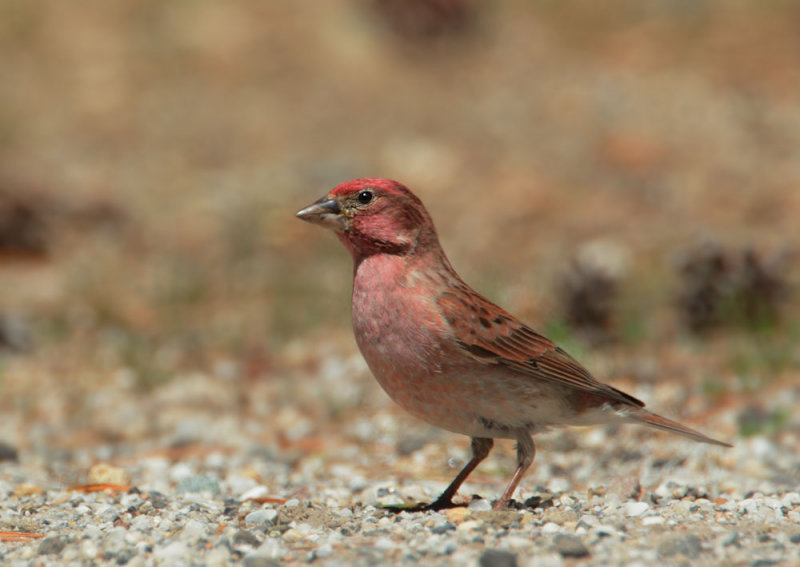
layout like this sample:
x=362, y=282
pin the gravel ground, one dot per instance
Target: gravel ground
x=224, y=493
x=162, y=408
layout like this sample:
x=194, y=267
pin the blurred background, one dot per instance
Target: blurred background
x=622, y=175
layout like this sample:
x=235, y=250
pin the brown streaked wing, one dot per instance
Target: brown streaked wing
x=494, y=336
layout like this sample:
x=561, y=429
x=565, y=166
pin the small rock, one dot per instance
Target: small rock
x=104, y=473
x=323, y=551
x=469, y=525
x=26, y=489
x=634, y=509
x=254, y=491
x=570, y=546
x=498, y=558
x=271, y=549
x=141, y=523
x=587, y=521
x=217, y=557
x=733, y=538
x=265, y=517
x=795, y=538
x=172, y=553
x=625, y=487
x=259, y=561
x=479, y=505
x=8, y=453
x=551, y=528
x=688, y=545
x=456, y=515
x=89, y=549
x=157, y=500
x=383, y=543
x=410, y=444
x=199, y=483
x=539, y=501
x=52, y=545
x=15, y=333
x=180, y=471
x=246, y=538
x=109, y=514
x=193, y=530
x=559, y=516
x=444, y=527
x=125, y=555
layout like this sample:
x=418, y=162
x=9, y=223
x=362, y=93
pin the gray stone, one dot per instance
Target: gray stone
x=688, y=545
x=498, y=558
x=570, y=546
x=52, y=545
x=246, y=538
x=199, y=483
x=8, y=453
x=260, y=561
x=109, y=514
x=442, y=528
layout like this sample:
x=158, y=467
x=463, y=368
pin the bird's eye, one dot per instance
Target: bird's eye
x=365, y=197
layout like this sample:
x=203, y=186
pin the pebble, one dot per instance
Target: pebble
x=193, y=530
x=634, y=509
x=323, y=551
x=264, y=517
x=652, y=521
x=199, y=483
x=570, y=546
x=457, y=515
x=184, y=515
x=52, y=545
x=480, y=505
x=8, y=453
x=173, y=551
x=497, y=558
x=108, y=513
x=259, y=561
x=687, y=545
x=551, y=528
x=246, y=538
x=105, y=473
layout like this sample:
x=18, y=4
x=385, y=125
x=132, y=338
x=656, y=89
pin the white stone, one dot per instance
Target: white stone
x=480, y=505
x=180, y=471
x=171, y=552
x=551, y=528
x=255, y=492
x=634, y=509
x=383, y=543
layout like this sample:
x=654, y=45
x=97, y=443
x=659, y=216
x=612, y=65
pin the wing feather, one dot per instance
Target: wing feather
x=492, y=335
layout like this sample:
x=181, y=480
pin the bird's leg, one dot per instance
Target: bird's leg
x=480, y=449
x=526, y=451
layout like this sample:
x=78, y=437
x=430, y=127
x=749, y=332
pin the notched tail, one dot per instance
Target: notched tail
x=654, y=420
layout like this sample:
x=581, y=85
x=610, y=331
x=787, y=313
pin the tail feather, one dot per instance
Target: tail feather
x=658, y=422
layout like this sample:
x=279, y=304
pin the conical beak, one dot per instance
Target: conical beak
x=324, y=212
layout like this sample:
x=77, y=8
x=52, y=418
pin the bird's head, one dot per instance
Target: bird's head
x=373, y=216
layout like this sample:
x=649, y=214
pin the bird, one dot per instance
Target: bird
x=445, y=353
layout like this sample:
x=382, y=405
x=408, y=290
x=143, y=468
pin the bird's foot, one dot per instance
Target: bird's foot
x=435, y=506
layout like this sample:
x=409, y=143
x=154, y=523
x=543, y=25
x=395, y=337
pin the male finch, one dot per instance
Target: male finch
x=445, y=353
